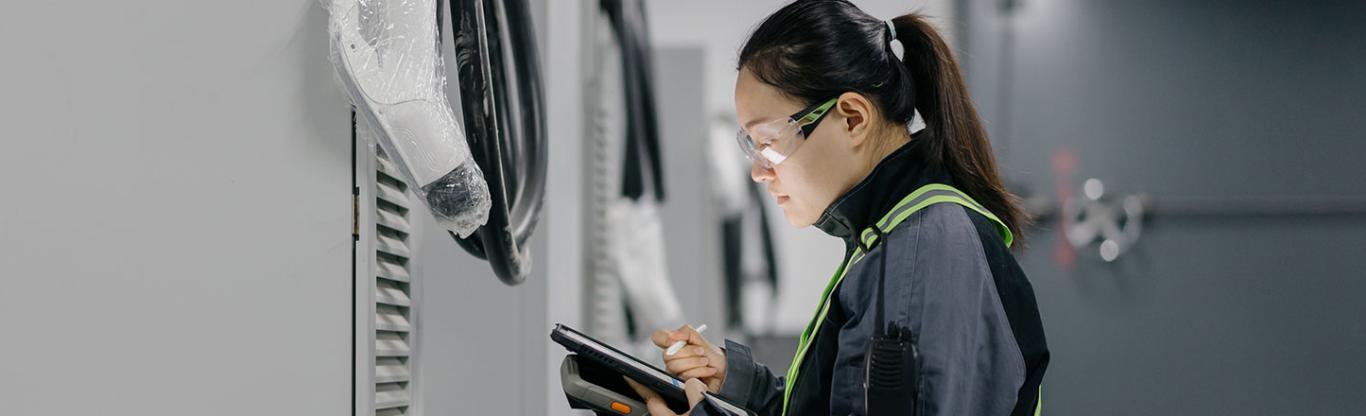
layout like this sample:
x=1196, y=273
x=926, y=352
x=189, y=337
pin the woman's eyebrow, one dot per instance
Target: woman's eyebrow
x=757, y=120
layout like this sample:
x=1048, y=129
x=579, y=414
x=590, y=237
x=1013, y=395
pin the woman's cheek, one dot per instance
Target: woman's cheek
x=801, y=211
x=796, y=183
x=793, y=218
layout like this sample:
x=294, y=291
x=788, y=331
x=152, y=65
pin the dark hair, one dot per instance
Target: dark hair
x=817, y=49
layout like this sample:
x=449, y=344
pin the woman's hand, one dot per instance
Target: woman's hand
x=697, y=360
x=655, y=404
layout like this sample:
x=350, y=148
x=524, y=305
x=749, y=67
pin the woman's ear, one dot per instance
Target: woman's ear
x=857, y=111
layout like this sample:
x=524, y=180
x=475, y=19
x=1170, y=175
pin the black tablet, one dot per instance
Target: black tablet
x=589, y=385
x=668, y=387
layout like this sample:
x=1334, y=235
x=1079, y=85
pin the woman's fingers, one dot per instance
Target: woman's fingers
x=698, y=359
x=686, y=352
x=691, y=335
x=653, y=402
x=699, y=372
x=680, y=365
x=664, y=339
x=694, y=389
x=644, y=392
x=714, y=384
x=706, y=363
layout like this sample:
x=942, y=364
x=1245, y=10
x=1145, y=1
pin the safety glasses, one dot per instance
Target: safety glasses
x=771, y=142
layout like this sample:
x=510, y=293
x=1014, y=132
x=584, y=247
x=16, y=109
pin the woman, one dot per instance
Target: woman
x=825, y=107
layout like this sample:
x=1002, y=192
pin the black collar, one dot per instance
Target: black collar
x=897, y=175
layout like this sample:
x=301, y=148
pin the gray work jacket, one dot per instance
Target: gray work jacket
x=950, y=278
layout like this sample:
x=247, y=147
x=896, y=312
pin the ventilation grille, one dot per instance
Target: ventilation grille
x=393, y=300
x=605, y=317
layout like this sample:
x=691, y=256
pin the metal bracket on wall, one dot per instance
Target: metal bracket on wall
x=1115, y=222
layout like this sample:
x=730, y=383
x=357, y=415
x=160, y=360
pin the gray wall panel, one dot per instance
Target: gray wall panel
x=1210, y=315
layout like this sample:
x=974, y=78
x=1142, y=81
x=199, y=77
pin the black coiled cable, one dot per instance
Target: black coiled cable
x=510, y=147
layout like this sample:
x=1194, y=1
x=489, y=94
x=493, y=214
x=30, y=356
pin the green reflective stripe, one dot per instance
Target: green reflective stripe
x=1038, y=404
x=887, y=222
x=935, y=199
x=913, y=203
x=1006, y=235
x=894, y=215
x=817, y=113
x=919, y=199
x=811, y=327
x=934, y=188
x=910, y=206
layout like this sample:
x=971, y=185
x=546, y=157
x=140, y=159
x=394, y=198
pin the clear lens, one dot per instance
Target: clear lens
x=770, y=143
x=746, y=145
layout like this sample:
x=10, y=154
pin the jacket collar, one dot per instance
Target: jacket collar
x=897, y=175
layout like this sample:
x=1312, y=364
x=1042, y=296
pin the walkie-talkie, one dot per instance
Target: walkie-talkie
x=892, y=366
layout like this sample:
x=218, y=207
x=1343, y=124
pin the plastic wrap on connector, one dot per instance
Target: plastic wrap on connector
x=386, y=56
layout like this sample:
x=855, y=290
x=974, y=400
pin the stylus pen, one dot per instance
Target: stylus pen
x=678, y=345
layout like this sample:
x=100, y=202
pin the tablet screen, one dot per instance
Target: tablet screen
x=571, y=336
x=619, y=356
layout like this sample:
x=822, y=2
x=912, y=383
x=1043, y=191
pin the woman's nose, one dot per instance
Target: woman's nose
x=760, y=173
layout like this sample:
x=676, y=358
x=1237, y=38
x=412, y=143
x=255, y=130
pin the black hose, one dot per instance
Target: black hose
x=531, y=195
x=512, y=155
x=642, y=154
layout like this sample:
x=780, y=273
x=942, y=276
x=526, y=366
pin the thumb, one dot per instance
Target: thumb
x=694, y=389
x=687, y=332
x=662, y=338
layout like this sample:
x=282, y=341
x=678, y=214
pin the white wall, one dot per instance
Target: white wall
x=174, y=230
x=808, y=257
x=562, y=67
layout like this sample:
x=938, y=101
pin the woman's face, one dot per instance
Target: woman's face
x=821, y=169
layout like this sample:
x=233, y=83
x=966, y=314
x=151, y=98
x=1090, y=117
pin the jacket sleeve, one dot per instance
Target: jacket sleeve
x=748, y=384
x=939, y=285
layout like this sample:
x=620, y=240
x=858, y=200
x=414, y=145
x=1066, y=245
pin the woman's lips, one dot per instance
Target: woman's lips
x=782, y=199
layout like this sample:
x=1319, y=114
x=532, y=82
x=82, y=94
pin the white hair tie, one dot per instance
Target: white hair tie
x=891, y=28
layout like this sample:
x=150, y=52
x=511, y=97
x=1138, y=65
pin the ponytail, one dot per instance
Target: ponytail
x=817, y=49
x=956, y=133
